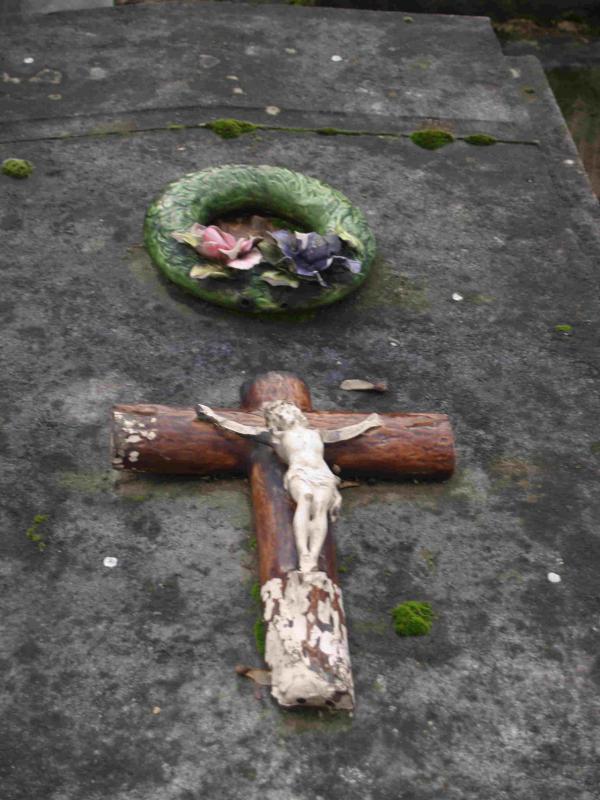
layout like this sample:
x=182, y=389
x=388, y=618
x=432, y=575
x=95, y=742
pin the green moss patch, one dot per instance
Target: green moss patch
x=432, y=139
x=33, y=533
x=563, y=328
x=231, y=128
x=413, y=618
x=17, y=167
x=480, y=139
x=260, y=635
x=255, y=591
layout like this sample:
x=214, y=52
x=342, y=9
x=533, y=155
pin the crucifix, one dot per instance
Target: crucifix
x=292, y=455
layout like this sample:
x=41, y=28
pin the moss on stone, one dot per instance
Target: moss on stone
x=87, y=482
x=231, y=128
x=260, y=635
x=563, y=328
x=17, y=167
x=412, y=618
x=377, y=627
x=477, y=299
x=255, y=591
x=386, y=287
x=430, y=559
x=432, y=138
x=175, y=126
x=480, y=139
x=33, y=534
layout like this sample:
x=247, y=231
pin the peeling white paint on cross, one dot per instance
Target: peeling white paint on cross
x=306, y=643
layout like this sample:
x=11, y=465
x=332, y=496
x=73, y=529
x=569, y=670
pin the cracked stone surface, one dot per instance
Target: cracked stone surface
x=119, y=681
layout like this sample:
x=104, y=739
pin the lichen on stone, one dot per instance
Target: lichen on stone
x=231, y=128
x=412, y=618
x=17, y=167
x=432, y=138
x=32, y=532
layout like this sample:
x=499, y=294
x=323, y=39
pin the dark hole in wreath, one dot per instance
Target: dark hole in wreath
x=245, y=303
x=301, y=700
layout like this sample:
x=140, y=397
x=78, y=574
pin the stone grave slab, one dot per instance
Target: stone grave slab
x=120, y=681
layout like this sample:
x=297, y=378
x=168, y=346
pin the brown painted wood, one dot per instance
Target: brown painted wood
x=275, y=386
x=407, y=445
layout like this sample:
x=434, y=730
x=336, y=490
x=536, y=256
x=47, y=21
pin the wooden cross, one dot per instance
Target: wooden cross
x=306, y=643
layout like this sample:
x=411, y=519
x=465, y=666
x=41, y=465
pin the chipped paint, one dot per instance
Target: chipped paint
x=130, y=432
x=307, y=641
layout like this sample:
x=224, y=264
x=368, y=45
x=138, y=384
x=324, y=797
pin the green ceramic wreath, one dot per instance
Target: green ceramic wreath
x=303, y=202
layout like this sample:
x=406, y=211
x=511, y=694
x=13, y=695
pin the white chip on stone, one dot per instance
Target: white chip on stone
x=110, y=562
x=553, y=577
x=232, y=77
x=272, y=110
x=237, y=90
x=457, y=296
x=291, y=50
x=569, y=162
x=28, y=60
x=336, y=58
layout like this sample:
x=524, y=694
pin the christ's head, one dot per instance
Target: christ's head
x=281, y=415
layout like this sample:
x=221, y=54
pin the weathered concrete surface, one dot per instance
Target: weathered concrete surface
x=180, y=59
x=119, y=683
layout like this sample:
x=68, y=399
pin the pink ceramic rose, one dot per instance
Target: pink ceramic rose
x=220, y=246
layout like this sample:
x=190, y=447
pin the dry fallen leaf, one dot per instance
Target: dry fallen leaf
x=356, y=385
x=348, y=484
x=260, y=676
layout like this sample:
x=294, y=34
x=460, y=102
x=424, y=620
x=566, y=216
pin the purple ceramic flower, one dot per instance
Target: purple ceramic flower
x=312, y=253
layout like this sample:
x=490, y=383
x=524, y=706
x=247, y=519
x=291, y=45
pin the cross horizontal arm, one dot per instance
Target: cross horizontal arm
x=162, y=439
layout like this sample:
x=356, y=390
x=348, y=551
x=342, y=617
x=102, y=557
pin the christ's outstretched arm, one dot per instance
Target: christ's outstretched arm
x=350, y=431
x=257, y=433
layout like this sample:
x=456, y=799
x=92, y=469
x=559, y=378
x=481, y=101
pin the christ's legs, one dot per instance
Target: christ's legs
x=318, y=525
x=302, y=521
x=318, y=533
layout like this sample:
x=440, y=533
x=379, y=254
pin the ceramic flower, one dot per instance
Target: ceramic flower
x=311, y=253
x=220, y=246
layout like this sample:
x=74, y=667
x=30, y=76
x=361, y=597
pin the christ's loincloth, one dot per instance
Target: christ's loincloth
x=315, y=478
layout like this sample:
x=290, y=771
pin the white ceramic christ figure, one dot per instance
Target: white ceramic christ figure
x=308, y=479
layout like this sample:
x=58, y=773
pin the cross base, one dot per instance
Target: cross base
x=307, y=641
